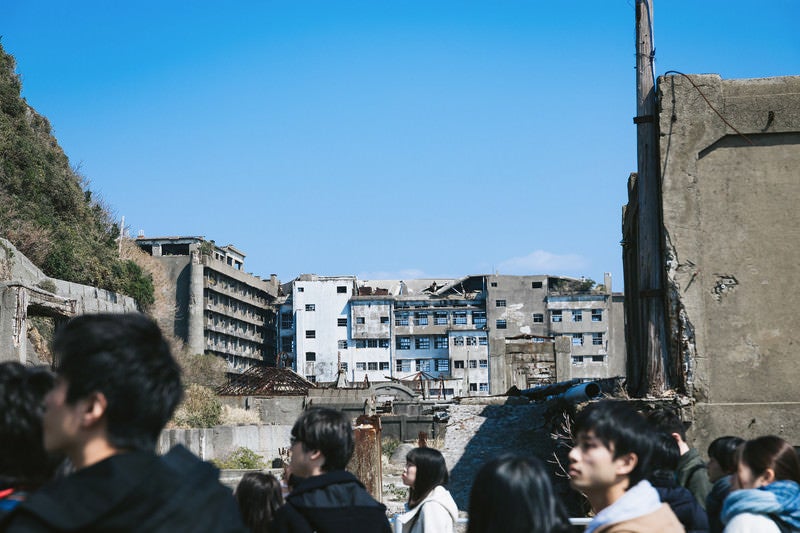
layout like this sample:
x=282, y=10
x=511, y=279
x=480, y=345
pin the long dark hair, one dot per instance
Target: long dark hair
x=771, y=452
x=723, y=449
x=259, y=496
x=513, y=494
x=431, y=472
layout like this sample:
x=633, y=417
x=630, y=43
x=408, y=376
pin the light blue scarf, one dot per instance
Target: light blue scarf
x=781, y=499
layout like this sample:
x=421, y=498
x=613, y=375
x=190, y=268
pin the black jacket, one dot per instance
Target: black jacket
x=136, y=491
x=682, y=502
x=334, y=502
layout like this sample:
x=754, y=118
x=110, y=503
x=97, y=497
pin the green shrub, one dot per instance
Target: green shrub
x=200, y=408
x=389, y=445
x=241, y=458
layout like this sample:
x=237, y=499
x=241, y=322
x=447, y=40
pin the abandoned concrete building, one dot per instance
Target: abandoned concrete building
x=467, y=334
x=728, y=153
x=30, y=301
x=219, y=308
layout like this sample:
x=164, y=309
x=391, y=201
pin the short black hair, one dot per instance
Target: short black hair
x=723, y=449
x=125, y=357
x=667, y=420
x=23, y=459
x=431, y=472
x=514, y=494
x=258, y=495
x=330, y=432
x=666, y=453
x=621, y=429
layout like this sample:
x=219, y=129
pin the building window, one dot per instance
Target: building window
x=384, y=365
x=597, y=315
x=473, y=387
x=372, y=343
x=459, y=317
x=483, y=387
x=536, y=285
x=500, y=303
x=597, y=339
x=384, y=320
x=440, y=342
x=342, y=322
x=301, y=289
x=311, y=334
x=458, y=364
x=598, y=358
x=361, y=365
x=342, y=345
x=442, y=365
x=577, y=359
x=472, y=341
x=538, y=318
x=311, y=307
x=286, y=320
x=403, y=365
x=403, y=343
x=423, y=365
x=440, y=318
x=556, y=316
x=420, y=319
x=372, y=366
x=341, y=289
x=286, y=343
x=458, y=341
x=422, y=343
x=473, y=363
x=577, y=339
x=383, y=343
x=311, y=356
x=361, y=344
x=360, y=320
x=401, y=319
x=577, y=315
x=484, y=363
x=312, y=379
x=479, y=318
x=500, y=324
x=343, y=366
x=483, y=341
x=493, y=284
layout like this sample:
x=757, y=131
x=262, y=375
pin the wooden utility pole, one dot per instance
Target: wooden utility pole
x=651, y=350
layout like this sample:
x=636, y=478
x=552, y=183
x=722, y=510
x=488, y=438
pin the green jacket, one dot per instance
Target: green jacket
x=693, y=474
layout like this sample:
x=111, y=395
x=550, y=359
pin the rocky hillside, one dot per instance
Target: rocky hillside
x=46, y=209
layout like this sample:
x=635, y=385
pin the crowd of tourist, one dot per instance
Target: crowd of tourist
x=77, y=454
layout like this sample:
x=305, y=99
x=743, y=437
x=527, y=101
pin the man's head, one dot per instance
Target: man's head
x=322, y=441
x=613, y=445
x=668, y=421
x=115, y=372
x=23, y=460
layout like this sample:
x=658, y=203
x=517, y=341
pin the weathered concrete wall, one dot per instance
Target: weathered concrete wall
x=217, y=442
x=731, y=229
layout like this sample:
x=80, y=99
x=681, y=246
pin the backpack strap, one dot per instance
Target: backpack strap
x=782, y=525
x=693, y=471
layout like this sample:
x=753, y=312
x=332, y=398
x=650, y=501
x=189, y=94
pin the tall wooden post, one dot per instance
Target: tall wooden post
x=651, y=351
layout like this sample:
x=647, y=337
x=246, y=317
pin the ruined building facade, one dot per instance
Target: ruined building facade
x=729, y=153
x=474, y=335
x=219, y=308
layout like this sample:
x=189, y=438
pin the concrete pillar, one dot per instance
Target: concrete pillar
x=156, y=250
x=13, y=324
x=196, y=327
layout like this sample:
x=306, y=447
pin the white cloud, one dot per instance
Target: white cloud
x=543, y=262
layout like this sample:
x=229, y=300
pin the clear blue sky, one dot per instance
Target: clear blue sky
x=376, y=138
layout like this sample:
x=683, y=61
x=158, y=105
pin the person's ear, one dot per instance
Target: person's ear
x=626, y=463
x=677, y=437
x=315, y=455
x=96, y=406
x=766, y=478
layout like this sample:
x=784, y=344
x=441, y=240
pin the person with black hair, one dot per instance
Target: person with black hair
x=328, y=499
x=609, y=464
x=682, y=502
x=24, y=463
x=513, y=494
x=766, y=495
x=259, y=496
x=430, y=507
x=691, y=472
x=117, y=385
x=721, y=467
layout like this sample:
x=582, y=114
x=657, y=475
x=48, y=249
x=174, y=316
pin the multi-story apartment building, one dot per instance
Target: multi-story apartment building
x=452, y=332
x=219, y=308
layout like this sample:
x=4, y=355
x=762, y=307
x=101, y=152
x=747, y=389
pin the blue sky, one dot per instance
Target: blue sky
x=383, y=139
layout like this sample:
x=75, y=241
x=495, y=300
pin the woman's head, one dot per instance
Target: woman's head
x=513, y=494
x=425, y=470
x=764, y=460
x=722, y=457
x=259, y=496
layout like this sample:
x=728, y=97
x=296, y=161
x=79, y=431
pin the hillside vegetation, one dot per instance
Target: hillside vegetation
x=46, y=208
